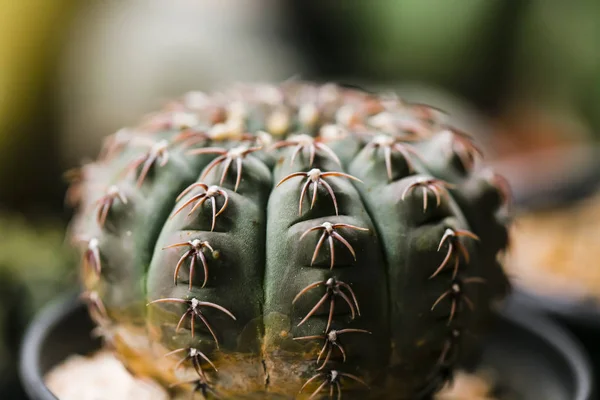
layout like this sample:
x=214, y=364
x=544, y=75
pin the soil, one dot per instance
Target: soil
x=468, y=386
x=555, y=251
x=101, y=376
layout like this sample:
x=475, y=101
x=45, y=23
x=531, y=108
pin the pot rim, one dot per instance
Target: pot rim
x=559, y=338
x=523, y=316
x=33, y=342
x=549, y=178
x=572, y=310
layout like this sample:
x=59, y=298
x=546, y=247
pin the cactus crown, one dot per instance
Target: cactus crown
x=291, y=240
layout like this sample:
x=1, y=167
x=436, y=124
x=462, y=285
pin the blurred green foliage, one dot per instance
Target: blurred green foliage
x=556, y=57
x=36, y=265
x=499, y=55
x=454, y=44
x=32, y=35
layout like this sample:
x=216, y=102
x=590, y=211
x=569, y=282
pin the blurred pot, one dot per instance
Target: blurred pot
x=563, y=184
x=523, y=345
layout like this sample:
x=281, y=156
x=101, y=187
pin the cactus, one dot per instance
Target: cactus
x=291, y=241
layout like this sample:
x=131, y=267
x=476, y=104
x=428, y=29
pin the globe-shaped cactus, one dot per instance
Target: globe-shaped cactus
x=291, y=241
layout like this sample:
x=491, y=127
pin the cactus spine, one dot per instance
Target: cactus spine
x=293, y=241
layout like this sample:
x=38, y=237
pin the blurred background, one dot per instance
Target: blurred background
x=523, y=76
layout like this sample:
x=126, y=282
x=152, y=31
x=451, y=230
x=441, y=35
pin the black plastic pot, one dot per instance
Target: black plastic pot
x=551, y=178
x=61, y=329
x=535, y=357
x=581, y=319
x=567, y=176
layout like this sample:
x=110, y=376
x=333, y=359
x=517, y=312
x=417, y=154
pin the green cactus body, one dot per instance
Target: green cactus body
x=293, y=240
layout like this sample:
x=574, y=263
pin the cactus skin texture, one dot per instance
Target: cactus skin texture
x=296, y=240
